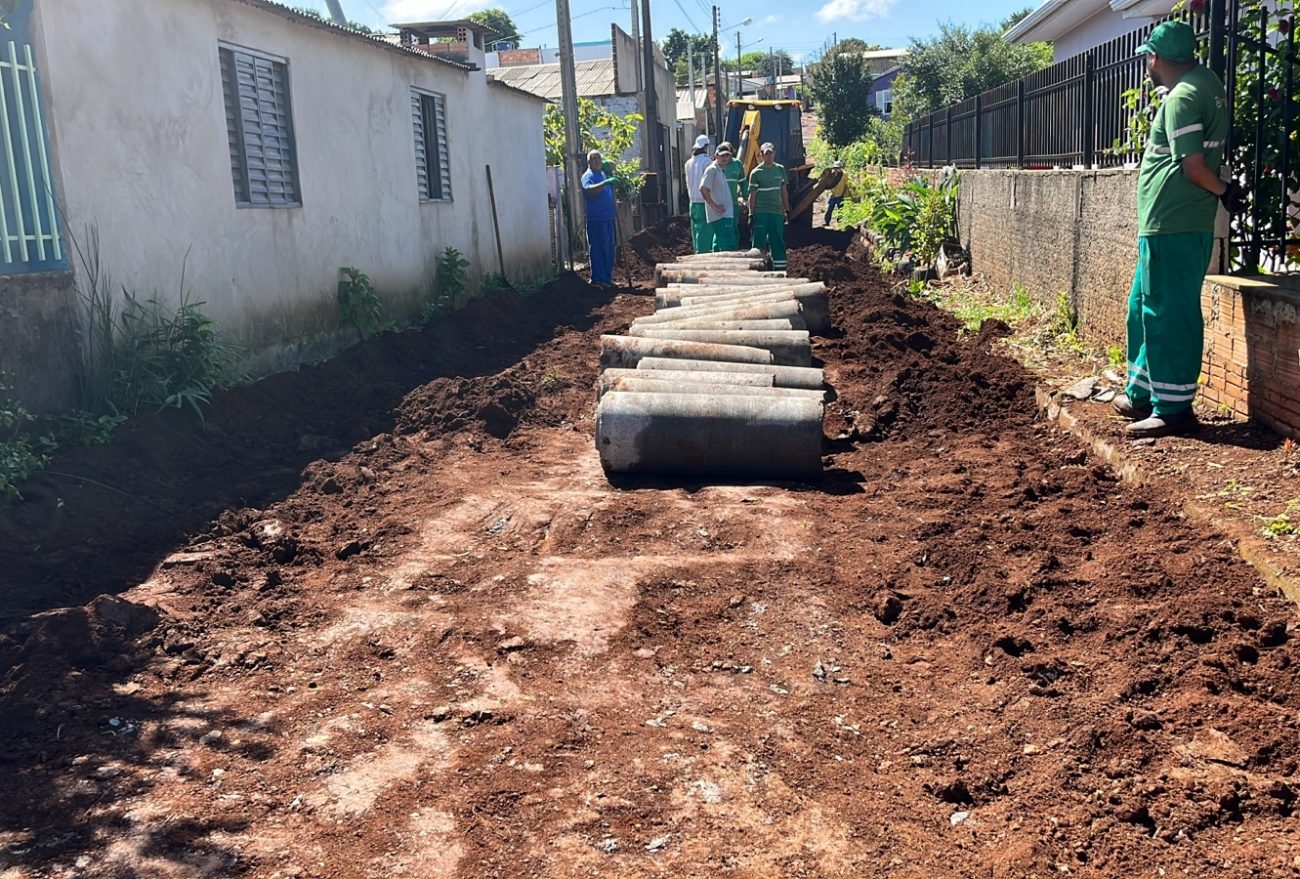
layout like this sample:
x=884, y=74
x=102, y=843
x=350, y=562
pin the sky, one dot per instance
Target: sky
x=775, y=23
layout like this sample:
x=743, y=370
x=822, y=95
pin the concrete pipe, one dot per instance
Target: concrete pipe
x=641, y=384
x=709, y=435
x=677, y=270
x=813, y=307
x=627, y=351
x=750, y=279
x=752, y=253
x=782, y=376
x=689, y=376
x=775, y=309
x=788, y=347
x=672, y=298
x=753, y=326
x=705, y=275
x=816, y=312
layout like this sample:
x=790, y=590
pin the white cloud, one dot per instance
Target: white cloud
x=854, y=10
x=432, y=10
x=771, y=19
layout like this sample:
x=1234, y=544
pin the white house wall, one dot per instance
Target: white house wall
x=1101, y=28
x=138, y=124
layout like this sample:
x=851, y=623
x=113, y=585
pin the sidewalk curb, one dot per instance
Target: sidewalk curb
x=1249, y=546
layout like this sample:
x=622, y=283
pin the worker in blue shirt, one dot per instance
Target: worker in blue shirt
x=596, y=186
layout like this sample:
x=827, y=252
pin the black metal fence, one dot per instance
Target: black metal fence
x=1082, y=112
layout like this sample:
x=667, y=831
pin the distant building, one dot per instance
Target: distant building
x=608, y=73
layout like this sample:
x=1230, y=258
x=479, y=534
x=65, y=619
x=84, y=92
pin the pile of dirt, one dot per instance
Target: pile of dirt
x=662, y=242
x=494, y=405
x=165, y=475
x=905, y=369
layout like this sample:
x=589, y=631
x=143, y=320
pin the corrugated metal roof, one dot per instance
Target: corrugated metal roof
x=594, y=78
x=381, y=40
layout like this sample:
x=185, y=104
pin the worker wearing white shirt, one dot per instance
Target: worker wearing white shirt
x=701, y=235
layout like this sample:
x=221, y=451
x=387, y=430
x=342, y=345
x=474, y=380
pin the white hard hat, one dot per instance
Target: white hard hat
x=702, y=142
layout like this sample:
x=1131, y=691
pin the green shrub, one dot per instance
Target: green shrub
x=359, y=303
x=450, y=283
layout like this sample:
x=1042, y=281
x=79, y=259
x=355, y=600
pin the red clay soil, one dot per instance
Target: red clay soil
x=458, y=651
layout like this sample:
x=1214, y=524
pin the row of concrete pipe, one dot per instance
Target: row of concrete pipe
x=719, y=380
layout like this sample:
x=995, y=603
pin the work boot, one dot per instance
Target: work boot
x=1126, y=407
x=1174, y=424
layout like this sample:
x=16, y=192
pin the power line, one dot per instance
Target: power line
x=694, y=27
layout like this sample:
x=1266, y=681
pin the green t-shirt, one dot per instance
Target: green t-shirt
x=766, y=183
x=1193, y=118
x=736, y=177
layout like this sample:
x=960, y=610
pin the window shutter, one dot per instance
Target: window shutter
x=234, y=127
x=444, y=166
x=258, y=116
x=421, y=154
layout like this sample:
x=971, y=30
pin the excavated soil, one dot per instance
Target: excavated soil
x=456, y=650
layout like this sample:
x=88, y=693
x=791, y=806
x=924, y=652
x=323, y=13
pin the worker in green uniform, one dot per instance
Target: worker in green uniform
x=769, y=202
x=718, y=199
x=701, y=235
x=1179, y=190
x=739, y=190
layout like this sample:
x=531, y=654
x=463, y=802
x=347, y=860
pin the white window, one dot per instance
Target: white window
x=432, y=170
x=263, y=158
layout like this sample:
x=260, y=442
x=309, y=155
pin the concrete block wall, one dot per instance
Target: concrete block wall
x=1071, y=232
x=39, y=340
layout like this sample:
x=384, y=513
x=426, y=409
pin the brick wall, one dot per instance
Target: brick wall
x=1252, y=349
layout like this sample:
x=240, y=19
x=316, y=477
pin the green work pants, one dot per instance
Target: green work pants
x=1166, y=333
x=701, y=234
x=724, y=235
x=768, y=231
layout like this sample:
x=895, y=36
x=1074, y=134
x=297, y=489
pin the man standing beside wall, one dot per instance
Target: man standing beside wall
x=600, y=220
x=1178, y=195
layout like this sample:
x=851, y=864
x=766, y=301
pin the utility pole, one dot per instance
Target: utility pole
x=690, y=67
x=740, y=83
x=719, y=92
x=572, y=140
x=336, y=12
x=640, y=78
x=654, y=149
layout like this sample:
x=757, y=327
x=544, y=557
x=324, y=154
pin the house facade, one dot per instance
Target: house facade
x=259, y=150
x=1074, y=26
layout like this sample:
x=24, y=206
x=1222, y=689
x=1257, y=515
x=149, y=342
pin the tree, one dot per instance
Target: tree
x=674, y=45
x=499, y=20
x=839, y=89
x=850, y=44
x=1014, y=19
x=775, y=63
x=960, y=63
x=598, y=129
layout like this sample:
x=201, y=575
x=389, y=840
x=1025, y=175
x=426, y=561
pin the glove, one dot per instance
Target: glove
x=1234, y=198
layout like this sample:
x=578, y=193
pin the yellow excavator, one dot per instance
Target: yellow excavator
x=753, y=123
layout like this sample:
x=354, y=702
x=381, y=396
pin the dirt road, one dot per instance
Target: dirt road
x=457, y=650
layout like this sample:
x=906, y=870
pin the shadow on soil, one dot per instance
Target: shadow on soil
x=101, y=518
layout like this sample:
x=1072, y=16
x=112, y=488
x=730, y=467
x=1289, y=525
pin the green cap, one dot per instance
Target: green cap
x=1173, y=40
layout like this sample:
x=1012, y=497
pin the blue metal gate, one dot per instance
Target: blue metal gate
x=29, y=222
